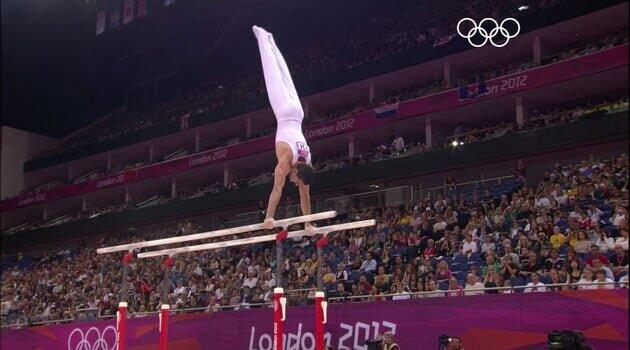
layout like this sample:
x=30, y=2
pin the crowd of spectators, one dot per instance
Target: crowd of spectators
x=570, y=228
x=396, y=96
x=593, y=45
x=393, y=147
x=403, y=94
x=399, y=30
x=548, y=117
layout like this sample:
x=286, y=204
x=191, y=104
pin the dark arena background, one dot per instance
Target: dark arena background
x=294, y=175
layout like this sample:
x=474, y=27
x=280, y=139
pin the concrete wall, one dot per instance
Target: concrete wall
x=17, y=146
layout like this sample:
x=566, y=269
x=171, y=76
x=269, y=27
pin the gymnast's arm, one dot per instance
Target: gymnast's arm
x=283, y=168
x=305, y=199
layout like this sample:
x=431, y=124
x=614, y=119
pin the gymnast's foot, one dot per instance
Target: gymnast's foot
x=261, y=33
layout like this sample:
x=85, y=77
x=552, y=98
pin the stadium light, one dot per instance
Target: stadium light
x=523, y=8
x=454, y=143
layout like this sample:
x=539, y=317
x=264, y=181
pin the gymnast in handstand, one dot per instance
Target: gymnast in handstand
x=292, y=151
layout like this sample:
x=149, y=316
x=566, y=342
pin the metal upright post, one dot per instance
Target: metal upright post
x=124, y=292
x=321, y=243
x=126, y=261
x=280, y=238
x=165, y=288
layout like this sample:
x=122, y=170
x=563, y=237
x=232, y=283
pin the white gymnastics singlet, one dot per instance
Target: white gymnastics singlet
x=290, y=132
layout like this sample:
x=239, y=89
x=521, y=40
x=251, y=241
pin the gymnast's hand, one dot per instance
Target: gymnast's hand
x=269, y=224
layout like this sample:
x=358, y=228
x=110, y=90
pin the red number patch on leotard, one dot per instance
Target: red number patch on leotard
x=302, y=148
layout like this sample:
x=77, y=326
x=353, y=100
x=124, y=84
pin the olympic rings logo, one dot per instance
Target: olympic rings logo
x=93, y=339
x=488, y=35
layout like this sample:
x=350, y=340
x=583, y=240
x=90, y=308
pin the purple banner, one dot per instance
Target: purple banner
x=505, y=321
x=529, y=79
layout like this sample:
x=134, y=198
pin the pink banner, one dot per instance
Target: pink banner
x=529, y=79
x=506, y=321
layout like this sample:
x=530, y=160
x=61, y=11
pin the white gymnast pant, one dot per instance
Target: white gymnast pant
x=283, y=97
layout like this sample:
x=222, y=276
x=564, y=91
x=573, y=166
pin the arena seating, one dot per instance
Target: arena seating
x=75, y=278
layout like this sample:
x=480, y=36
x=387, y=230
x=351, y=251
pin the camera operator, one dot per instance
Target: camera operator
x=450, y=343
x=388, y=342
x=382, y=342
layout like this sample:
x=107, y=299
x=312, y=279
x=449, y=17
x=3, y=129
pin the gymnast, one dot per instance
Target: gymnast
x=292, y=151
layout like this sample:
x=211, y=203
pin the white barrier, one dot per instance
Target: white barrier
x=284, y=223
x=258, y=239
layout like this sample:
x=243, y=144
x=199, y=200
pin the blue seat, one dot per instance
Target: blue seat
x=458, y=267
x=474, y=257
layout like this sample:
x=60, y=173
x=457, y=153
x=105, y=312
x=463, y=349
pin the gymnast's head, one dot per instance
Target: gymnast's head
x=302, y=173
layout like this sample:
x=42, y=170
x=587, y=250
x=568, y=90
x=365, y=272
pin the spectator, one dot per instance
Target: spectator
x=508, y=268
x=491, y=262
x=398, y=144
x=619, y=217
x=442, y=272
x=488, y=244
x=619, y=261
x=340, y=292
x=429, y=251
x=454, y=287
x=595, y=254
x=556, y=278
x=473, y=286
x=399, y=292
x=535, y=285
x=557, y=239
x=583, y=244
x=604, y=242
x=489, y=279
x=623, y=239
x=469, y=246
x=532, y=267
x=368, y=265
x=601, y=278
x=554, y=261
x=342, y=274
x=587, y=279
x=440, y=224
x=432, y=290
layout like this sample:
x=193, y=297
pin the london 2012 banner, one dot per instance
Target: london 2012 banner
x=506, y=321
x=612, y=58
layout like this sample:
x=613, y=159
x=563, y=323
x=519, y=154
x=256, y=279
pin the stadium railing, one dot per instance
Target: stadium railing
x=353, y=298
x=432, y=192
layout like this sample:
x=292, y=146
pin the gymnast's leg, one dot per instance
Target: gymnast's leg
x=283, y=97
